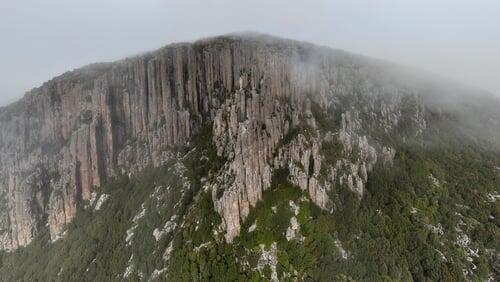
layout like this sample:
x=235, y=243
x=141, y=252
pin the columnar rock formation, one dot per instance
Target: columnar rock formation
x=64, y=138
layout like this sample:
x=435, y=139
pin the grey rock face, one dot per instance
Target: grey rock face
x=66, y=137
x=248, y=136
x=87, y=125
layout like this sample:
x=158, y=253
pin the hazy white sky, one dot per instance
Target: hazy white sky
x=41, y=39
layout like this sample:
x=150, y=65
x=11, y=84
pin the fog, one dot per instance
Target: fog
x=458, y=39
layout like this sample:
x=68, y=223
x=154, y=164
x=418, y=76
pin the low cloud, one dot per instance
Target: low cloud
x=42, y=39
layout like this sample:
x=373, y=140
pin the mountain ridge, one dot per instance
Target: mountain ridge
x=255, y=35
x=272, y=113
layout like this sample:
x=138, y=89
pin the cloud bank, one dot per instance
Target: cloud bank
x=41, y=39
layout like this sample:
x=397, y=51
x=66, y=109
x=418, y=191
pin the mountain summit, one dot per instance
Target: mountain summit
x=250, y=157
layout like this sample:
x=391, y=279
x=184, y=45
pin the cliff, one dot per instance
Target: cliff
x=249, y=157
x=65, y=138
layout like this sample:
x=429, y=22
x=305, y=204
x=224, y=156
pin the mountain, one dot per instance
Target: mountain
x=249, y=157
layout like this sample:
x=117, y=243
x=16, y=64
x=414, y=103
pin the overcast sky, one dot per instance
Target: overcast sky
x=41, y=39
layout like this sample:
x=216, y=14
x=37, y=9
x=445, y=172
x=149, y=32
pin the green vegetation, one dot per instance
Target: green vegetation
x=329, y=119
x=406, y=227
x=331, y=151
x=95, y=246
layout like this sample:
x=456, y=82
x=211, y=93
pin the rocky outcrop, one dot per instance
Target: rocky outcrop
x=104, y=119
x=248, y=135
x=303, y=160
x=66, y=137
x=269, y=258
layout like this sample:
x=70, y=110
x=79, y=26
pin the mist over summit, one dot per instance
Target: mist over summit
x=452, y=38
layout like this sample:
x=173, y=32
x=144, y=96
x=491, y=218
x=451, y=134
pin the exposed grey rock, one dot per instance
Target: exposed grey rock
x=102, y=200
x=169, y=226
x=66, y=137
x=388, y=155
x=293, y=231
x=269, y=258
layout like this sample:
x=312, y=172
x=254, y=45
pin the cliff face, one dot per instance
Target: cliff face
x=288, y=160
x=62, y=140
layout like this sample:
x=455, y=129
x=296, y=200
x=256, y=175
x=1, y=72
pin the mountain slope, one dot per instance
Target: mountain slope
x=247, y=156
